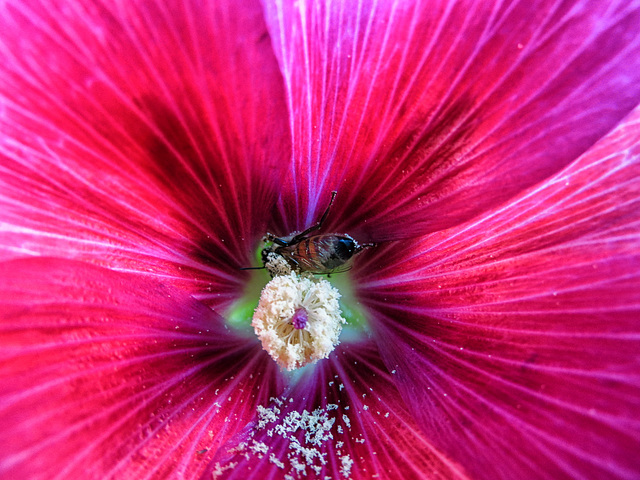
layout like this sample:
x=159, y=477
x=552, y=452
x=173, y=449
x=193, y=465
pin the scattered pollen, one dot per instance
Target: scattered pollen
x=298, y=319
x=347, y=463
x=307, y=439
x=346, y=420
x=273, y=459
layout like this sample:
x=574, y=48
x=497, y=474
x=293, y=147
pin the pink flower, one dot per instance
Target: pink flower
x=491, y=150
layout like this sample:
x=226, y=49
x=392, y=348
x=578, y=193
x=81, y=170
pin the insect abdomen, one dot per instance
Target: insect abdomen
x=308, y=255
x=324, y=253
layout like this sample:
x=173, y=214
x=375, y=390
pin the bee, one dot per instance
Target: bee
x=320, y=254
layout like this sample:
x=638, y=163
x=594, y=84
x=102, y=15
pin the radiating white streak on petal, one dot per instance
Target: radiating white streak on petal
x=456, y=412
x=388, y=113
x=202, y=420
x=104, y=436
x=116, y=219
x=93, y=371
x=286, y=66
x=179, y=108
x=44, y=347
x=352, y=79
x=309, y=22
x=56, y=160
x=507, y=118
x=625, y=243
x=11, y=228
x=90, y=63
x=378, y=67
x=362, y=375
x=521, y=216
x=453, y=353
x=134, y=251
x=408, y=89
x=451, y=317
x=29, y=204
x=317, y=172
x=308, y=101
x=580, y=90
x=143, y=209
x=357, y=404
x=538, y=436
x=130, y=404
x=239, y=168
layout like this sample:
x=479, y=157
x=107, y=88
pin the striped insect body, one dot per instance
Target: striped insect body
x=320, y=254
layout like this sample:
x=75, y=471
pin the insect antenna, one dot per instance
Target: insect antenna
x=252, y=268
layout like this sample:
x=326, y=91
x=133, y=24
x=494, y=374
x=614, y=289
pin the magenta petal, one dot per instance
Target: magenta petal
x=425, y=114
x=147, y=136
x=355, y=426
x=111, y=375
x=516, y=337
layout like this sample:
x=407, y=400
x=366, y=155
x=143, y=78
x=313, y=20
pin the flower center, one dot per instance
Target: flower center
x=298, y=319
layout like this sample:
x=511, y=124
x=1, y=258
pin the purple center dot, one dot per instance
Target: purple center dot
x=300, y=318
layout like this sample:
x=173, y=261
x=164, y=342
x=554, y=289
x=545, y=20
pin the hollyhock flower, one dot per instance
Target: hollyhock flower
x=490, y=150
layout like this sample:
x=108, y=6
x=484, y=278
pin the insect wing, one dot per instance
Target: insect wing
x=309, y=254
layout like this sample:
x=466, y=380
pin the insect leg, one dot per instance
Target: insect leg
x=317, y=226
x=270, y=237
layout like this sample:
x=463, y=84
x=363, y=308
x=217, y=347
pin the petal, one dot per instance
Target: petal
x=425, y=114
x=140, y=136
x=516, y=337
x=111, y=375
x=342, y=419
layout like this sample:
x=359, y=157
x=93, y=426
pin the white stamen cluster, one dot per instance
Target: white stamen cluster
x=273, y=323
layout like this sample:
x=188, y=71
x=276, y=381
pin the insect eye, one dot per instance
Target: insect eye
x=346, y=247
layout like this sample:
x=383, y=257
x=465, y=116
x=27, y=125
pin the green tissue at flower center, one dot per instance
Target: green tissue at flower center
x=239, y=315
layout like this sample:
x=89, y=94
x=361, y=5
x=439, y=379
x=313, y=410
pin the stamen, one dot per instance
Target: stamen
x=298, y=319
